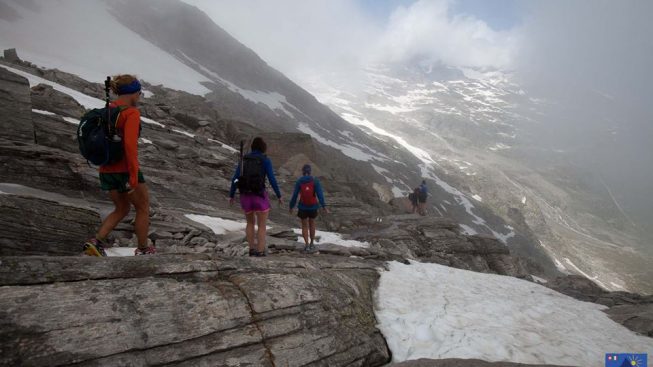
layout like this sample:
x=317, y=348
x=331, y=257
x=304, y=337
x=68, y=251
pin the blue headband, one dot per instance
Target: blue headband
x=131, y=88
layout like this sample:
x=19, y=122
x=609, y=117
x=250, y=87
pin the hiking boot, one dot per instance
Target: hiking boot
x=263, y=253
x=312, y=249
x=94, y=247
x=253, y=252
x=150, y=250
x=305, y=249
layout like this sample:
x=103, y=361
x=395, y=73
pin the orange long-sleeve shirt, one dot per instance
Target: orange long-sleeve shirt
x=128, y=127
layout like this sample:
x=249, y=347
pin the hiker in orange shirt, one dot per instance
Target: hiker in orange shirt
x=123, y=179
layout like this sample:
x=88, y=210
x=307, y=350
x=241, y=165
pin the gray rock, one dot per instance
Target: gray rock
x=160, y=235
x=198, y=241
x=11, y=55
x=15, y=107
x=189, y=310
x=167, y=144
x=636, y=317
x=33, y=226
x=45, y=97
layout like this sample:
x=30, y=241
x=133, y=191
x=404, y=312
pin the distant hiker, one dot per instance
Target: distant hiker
x=422, y=196
x=311, y=199
x=414, y=199
x=249, y=179
x=121, y=175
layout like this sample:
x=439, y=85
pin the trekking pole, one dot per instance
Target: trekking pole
x=107, y=86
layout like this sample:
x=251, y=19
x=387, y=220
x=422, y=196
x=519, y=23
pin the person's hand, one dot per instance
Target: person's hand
x=326, y=210
x=290, y=210
x=131, y=188
x=232, y=201
x=280, y=202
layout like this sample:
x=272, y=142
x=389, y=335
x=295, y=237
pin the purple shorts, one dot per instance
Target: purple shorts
x=255, y=203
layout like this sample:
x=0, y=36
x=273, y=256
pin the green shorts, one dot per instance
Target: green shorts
x=117, y=181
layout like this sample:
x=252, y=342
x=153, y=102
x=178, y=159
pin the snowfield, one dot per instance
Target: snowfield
x=60, y=24
x=433, y=311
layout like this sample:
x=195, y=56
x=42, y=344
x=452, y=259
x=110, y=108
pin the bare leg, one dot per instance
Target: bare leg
x=261, y=222
x=305, y=230
x=311, y=223
x=120, y=211
x=250, y=229
x=140, y=199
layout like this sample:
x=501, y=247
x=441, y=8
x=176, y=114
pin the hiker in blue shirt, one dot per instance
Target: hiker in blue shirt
x=423, y=195
x=311, y=199
x=249, y=179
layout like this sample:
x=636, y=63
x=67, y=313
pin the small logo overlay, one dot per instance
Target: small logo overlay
x=626, y=360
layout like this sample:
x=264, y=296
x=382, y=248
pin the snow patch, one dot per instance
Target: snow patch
x=477, y=197
x=42, y=112
x=120, y=251
x=145, y=141
x=332, y=237
x=59, y=23
x=434, y=311
x=151, y=122
x=87, y=101
x=70, y=120
x=467, y=229
x=225, y=146
x=217, y=225
x=182, y=132
x=348, y=150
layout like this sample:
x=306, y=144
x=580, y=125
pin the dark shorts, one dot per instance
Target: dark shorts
x=422, y=198
x=117, y=181
x=252, y=203
x=304, y=214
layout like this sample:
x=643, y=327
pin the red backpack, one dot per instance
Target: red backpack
x=307, y=193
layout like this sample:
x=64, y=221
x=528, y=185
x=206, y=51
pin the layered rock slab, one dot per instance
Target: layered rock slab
x=189, y=310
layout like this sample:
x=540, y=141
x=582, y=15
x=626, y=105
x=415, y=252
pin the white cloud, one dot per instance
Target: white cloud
x=427, y=28
x=299, y=36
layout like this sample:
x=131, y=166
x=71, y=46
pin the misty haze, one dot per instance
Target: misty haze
x=326, y=183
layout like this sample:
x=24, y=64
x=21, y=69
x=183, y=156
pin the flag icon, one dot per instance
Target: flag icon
x=626, y=360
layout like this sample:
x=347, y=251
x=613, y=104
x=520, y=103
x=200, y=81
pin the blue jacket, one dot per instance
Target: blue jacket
x=269, y=173
x=423, y=189
x=318, y=193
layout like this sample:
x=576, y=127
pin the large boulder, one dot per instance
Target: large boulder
x=35, y=226
x=45, y=97
x=189, y=311
x=15, y=107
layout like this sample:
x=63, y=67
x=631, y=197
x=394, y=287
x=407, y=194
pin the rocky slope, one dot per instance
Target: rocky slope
x=481, y=132
x=201, y=302
x=225, y=83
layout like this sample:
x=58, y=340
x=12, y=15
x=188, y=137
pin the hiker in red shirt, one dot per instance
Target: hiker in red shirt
x=123, y=179
x=311, y=199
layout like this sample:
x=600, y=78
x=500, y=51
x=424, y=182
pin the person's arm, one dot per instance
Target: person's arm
x=295, y=193
x=273, y=181
x=232, y=189
x=319, y=193
x=131, y=130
